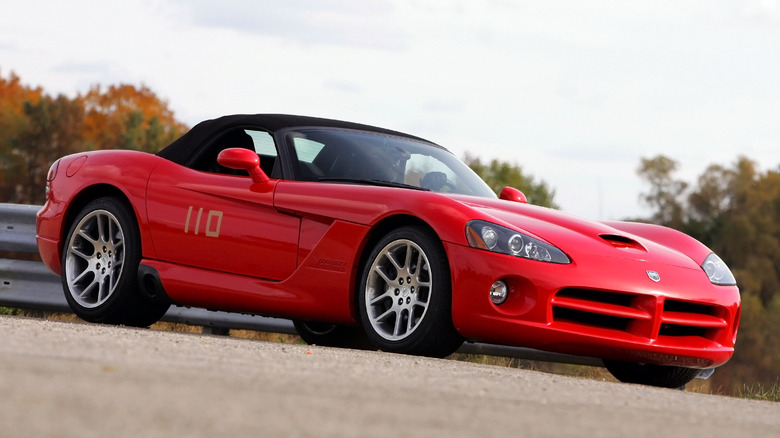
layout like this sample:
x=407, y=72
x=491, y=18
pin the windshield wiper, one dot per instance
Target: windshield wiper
x=372, y=182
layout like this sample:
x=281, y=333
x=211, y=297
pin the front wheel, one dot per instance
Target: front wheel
x=405, y=297
x=651, y=374
x=100, y=266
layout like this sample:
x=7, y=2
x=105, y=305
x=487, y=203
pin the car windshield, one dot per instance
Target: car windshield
x=338, y=155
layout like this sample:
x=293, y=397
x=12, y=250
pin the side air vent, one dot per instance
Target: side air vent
x=622, y=242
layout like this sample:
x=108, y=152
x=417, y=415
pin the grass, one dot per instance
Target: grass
x=12, y=311
x=759, y=391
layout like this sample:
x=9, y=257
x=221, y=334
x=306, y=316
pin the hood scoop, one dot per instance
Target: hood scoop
x=622, y=242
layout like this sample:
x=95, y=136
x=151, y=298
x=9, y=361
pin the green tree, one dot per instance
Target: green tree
x=499, y=174
x=50, y=128
x=666, y=192
x=736, y=212
x=13, y=121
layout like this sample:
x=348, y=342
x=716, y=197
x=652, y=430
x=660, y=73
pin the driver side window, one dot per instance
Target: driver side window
x=266, y=149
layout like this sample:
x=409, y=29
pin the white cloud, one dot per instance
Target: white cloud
x=350, y=23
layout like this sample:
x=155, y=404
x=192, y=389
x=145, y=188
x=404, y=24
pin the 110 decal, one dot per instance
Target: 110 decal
x=211, y=226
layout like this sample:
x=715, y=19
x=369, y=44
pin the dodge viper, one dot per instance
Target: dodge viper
x=367, y=236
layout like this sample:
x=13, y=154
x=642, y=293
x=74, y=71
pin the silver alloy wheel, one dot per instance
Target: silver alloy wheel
x=398, y=290
x=94, y=258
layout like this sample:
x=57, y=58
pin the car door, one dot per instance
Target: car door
x=219, y=221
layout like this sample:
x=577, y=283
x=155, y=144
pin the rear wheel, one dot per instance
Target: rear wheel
x=100, y=266
x=332, y=335
x=405, y=298
x=651, y=374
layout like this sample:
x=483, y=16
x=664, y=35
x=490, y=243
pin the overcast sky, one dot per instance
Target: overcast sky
x=575, y=92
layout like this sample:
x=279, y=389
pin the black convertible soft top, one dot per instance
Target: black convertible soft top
x=181, y=149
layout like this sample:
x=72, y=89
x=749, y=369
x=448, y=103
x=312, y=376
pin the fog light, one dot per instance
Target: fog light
x=498, y=292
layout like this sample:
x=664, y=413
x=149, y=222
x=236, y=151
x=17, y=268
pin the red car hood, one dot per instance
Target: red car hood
x=578, y=237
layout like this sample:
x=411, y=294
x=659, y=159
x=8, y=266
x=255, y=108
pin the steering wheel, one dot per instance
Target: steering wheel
x=435, y=181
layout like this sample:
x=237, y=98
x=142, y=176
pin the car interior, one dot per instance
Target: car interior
x=206, y=161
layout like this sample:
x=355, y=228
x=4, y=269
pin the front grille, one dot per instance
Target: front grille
x=681, y=318
x=601, y=309
x=640, y=315
x=592, y=319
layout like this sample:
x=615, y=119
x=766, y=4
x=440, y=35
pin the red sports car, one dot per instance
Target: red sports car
x=359, y=233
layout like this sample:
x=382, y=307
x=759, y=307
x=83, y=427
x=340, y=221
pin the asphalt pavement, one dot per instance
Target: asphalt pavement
x=61, y=379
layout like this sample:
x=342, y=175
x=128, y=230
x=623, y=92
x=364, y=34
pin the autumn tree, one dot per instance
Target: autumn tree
x=13, y=96
x=499, y=174
x=36, y=129
x=128, y=117
x=53, y=131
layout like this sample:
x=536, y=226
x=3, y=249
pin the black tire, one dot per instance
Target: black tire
x=405, y=295
x=332, y=335
x=100, y=261
x=651, y=374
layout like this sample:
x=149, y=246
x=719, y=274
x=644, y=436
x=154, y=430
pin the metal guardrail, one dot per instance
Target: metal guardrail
x=30, y=285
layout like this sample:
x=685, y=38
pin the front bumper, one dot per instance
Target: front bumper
x=604, y=307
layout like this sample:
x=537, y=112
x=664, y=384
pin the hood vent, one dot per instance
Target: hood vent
x=622, y=242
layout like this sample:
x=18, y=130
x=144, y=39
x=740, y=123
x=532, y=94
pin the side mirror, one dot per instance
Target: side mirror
x=512, y=194
x=243, y=159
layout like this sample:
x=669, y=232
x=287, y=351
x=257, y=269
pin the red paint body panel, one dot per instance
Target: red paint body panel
x=320, y=289
x=368, y=205
x=294, y=249
x=221, y=223
x=124, y=171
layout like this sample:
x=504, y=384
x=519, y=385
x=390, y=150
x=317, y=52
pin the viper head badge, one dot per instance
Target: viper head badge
x=653, y=276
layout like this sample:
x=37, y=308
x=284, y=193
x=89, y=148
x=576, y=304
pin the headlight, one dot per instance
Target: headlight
x=495, y=238
x=718, y=272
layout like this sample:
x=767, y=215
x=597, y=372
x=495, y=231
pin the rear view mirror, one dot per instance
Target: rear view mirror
x=243, y=159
